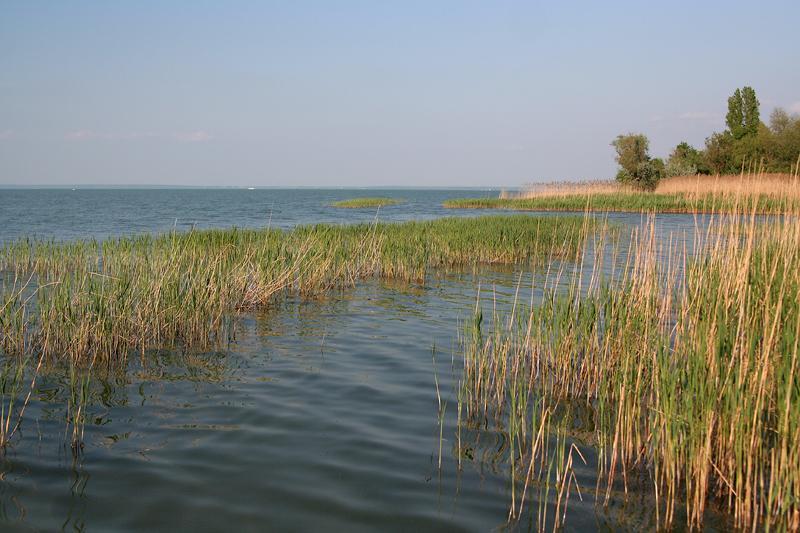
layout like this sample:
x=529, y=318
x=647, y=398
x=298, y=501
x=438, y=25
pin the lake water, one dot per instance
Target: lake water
x=321, y=415
x=67, y=214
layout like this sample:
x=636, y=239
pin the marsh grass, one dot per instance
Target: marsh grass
x=364, y=203
x=688, y=365
x=15, y=396
x=78, y=400
x=630, y=203
x=95, y=302
x=771, y=193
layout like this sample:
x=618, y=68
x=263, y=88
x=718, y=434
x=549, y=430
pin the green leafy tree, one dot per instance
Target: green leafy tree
x=743, y=116
x=636, y=167
x=750, y=104
x=746, y=145
x=735, y=117
x=780, y=143
x=631, y=151
x=718, y=155
x=650, y=173
x=685, y=160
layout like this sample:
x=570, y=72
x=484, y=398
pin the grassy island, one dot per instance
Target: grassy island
x=364, y=203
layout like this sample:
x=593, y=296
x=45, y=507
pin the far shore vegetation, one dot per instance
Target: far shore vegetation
x=770, y=193
x=749, y=159
x=363, y=203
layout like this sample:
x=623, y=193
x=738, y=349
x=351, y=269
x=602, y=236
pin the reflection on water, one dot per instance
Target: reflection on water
x=322, y=414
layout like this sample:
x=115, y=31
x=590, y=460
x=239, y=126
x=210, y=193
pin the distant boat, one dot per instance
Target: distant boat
x=251, y=188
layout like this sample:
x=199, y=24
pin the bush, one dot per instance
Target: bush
x=648, y=174
x=623, y=176
x=680, y=168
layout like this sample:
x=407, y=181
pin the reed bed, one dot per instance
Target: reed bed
x=363, y=203
x=744, y=184
x=567, y=188
x=688, y=369
x=94, y=302
x=763, y=184
x=772, y=193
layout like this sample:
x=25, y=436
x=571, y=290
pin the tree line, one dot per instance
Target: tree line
x=746, y=143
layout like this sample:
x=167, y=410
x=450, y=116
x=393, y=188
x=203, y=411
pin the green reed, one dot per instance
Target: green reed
x=92, y=301
x=629, y=202
x=690, y=375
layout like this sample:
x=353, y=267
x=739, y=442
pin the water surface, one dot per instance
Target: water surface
x=320, y=414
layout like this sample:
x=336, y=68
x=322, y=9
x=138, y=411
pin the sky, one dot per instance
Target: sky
x=372, y=93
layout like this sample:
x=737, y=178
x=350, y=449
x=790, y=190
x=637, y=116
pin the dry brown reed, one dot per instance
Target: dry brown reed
x=689, y=364
x=566, y=188
x=744, y=184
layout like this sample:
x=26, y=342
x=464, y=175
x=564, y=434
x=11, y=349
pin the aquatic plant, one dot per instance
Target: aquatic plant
x=772, y=193
x=629, y=202
x=79, y=381
x=363, y=203
x=688, y=367
x=12, y=402
x=91, y=301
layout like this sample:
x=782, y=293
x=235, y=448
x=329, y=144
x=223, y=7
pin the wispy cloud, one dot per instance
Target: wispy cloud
x=180, y=136
x=6, y=134
x=193, y=136
x=80, y=135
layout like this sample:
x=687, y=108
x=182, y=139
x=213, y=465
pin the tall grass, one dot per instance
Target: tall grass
x=747, y=184
x=772, y=193
x=689, y=367
x=91, y=301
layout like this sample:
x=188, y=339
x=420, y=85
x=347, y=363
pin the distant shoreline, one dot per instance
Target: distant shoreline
x=250, y=187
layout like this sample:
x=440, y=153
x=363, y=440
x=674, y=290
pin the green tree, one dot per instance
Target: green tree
x=750, y=105
x=650, y=173
x=780, y=142
x=685, y=160
x=718, y=155
x=631, y=151
x=735, y=117
x=743, y=116
x=636, y=167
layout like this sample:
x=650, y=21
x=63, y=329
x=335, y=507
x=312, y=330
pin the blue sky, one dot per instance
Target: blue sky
x=337, y=93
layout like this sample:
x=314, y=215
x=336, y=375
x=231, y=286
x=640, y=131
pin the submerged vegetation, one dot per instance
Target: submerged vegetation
x=363, y=203
x=684, y=372
x=93, y=302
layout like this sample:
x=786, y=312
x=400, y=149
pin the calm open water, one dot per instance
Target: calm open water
x=321, y=415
